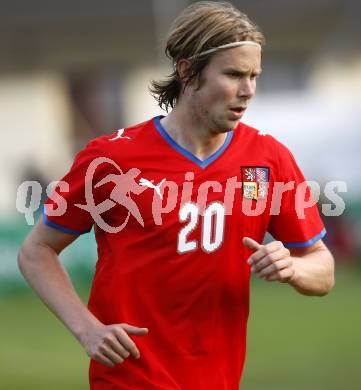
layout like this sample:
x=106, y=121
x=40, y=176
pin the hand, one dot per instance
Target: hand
x=110, y=344
x=270, y=262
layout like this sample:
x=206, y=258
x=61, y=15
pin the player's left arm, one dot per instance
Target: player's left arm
x=309, y=270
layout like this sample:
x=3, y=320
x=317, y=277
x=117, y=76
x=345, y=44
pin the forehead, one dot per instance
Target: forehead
x=242, y=57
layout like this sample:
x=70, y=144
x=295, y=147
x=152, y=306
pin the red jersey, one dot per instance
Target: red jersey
x=169, y=231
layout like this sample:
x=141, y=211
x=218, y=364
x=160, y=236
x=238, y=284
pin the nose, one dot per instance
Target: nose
x=247, y=88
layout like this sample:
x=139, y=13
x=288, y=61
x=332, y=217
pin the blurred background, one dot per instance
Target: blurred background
x=71, y=71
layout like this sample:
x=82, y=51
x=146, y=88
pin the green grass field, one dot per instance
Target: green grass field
x=299, y=343
x=294, y=342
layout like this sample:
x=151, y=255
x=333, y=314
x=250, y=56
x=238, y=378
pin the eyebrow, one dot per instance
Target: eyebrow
x=241, y=72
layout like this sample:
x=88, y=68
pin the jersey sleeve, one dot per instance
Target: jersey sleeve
x=293, y=222
x=61, y=209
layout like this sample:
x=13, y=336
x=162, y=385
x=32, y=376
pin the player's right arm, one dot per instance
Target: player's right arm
x=39, y=263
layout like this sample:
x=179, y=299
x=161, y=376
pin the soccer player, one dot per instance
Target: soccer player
x=180, y=206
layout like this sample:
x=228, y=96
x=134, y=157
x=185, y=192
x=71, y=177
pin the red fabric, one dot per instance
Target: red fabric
x=195, y=304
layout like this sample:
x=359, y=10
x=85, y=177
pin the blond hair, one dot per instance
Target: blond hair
x=200, y=27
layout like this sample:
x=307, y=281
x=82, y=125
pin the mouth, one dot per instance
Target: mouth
x=238, y=111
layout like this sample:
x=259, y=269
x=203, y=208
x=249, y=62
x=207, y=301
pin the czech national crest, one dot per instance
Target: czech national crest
x=255, y=181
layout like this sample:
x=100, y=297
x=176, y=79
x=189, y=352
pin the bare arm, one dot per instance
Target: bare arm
x=313, y=269
x=40, y=265
x=309, y=270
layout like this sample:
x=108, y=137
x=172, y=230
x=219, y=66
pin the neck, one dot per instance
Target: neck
x=190, y=133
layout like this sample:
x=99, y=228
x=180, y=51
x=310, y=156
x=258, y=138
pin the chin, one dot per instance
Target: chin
x=226, y=129
x=232, y=124
x=226, y=125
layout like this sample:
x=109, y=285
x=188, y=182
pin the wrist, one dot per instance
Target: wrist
x=83, y=327
x=294, y=280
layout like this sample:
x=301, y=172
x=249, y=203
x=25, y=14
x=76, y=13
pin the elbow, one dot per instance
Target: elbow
x=320, y=288
x=322, y=293
x=329, y=278
x=21, y=259
x=328, y=286
x=26, y=253
x=328, y=282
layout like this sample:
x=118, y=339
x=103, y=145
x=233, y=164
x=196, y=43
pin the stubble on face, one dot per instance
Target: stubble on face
x=214, y=121
x=216, y=92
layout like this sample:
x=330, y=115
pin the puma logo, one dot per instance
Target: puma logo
x=119, y=135
x=149, y=183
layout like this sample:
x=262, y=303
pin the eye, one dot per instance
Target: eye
x=234, y=75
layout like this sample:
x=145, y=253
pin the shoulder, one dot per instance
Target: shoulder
x=261, y=138
x=120, y=140
x=262, y=146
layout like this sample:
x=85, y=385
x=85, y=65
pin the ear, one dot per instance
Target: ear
x=182, y=69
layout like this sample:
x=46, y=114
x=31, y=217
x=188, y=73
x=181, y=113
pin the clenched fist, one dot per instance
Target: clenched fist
x=111, y=344
x=270, y=262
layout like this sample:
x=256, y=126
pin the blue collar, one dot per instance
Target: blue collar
x=202, y=164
